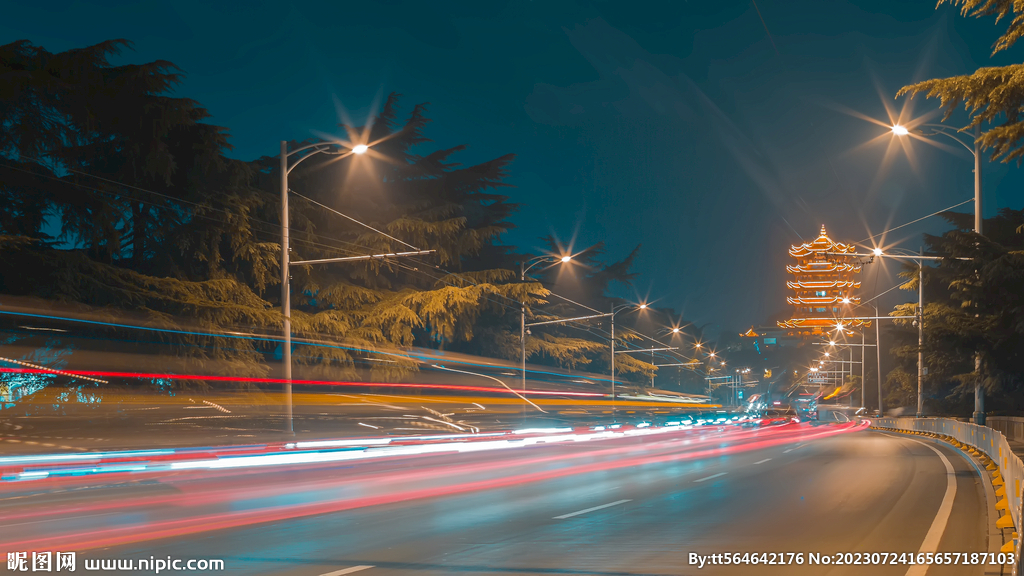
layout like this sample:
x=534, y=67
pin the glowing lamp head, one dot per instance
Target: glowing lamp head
x=826, y=354
x=846, y=300
x=831, y=342
x=900, y=130
x=697, y=345
x=566, y=259
x=675, y=330
x=360, y=149
x=643, y=306
x=712, y=354
x=877, y=251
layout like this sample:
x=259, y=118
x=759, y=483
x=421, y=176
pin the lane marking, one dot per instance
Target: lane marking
x=787, y=451
x=577, y=513
x=712, y=476
x=931, y=539
x=762, y=461
x=347, y=571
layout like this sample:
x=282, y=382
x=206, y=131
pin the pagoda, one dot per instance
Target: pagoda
x=823, y=284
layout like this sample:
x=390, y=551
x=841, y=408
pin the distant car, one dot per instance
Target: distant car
x=779, y=415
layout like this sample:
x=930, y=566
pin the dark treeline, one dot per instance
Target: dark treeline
x=118, y=195
x=973, y=312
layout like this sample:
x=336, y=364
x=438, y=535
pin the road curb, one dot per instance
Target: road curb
x=993, y=481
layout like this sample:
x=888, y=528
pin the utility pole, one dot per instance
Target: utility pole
x=863, y=367
x=979, y=392
x=878, y=353
x=920, y=336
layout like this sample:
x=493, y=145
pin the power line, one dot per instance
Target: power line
x=325, y=207
x=915, y=221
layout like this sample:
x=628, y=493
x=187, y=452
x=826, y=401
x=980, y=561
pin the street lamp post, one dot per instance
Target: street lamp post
x=878, y=354
x=920, y=337
x=524, y=267
x=898, y=130
x=616, y=310
x=331, y=148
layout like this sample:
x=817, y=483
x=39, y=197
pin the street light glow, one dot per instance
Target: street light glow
x=642, y=306
x=675, y=330
x=831, y=342
x=360, y=149
x=877, y=251
x=566, y=258
x=900, y=130
x=846, y=300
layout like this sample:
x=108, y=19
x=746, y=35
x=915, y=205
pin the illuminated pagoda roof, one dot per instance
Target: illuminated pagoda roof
x=818, y=267
x=823, y=300
x=750, y=333
x=823, y=287
x=820, y=245
x=813, y=285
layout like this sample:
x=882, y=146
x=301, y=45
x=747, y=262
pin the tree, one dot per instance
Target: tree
x=990, y=95
x=153, y=217
x=419, y=200
x=586, y=281
x=974, y=303
x=150, y=215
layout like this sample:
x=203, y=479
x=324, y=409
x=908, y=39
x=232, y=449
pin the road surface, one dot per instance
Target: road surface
x=635, y=506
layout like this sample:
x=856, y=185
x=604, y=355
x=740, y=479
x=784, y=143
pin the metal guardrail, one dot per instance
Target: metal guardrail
x=986, y=440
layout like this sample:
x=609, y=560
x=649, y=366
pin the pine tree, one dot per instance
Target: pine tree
x=420, y=200
x=151, y=215
x=993, y=95
x=974, y=303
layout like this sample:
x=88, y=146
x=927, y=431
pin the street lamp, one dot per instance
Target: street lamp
x=308, y=151
x=898, y=130
x=524, y=267
x=616, y=310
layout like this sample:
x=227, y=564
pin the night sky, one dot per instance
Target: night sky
x=681, y=126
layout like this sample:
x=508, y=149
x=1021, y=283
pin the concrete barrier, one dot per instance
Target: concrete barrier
x=1011, y=426
x=1006, y=468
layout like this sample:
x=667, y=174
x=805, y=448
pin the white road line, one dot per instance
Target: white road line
x=793, y=448
x=762, y=461
x=577, y=513
x=347, y=571
x=931, y=539
x=712, y=476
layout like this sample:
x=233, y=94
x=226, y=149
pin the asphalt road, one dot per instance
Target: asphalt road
x=638, y=506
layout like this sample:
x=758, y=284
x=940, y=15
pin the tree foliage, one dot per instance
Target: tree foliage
x=974, y=306
x=993, y=95
x=119, y=194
